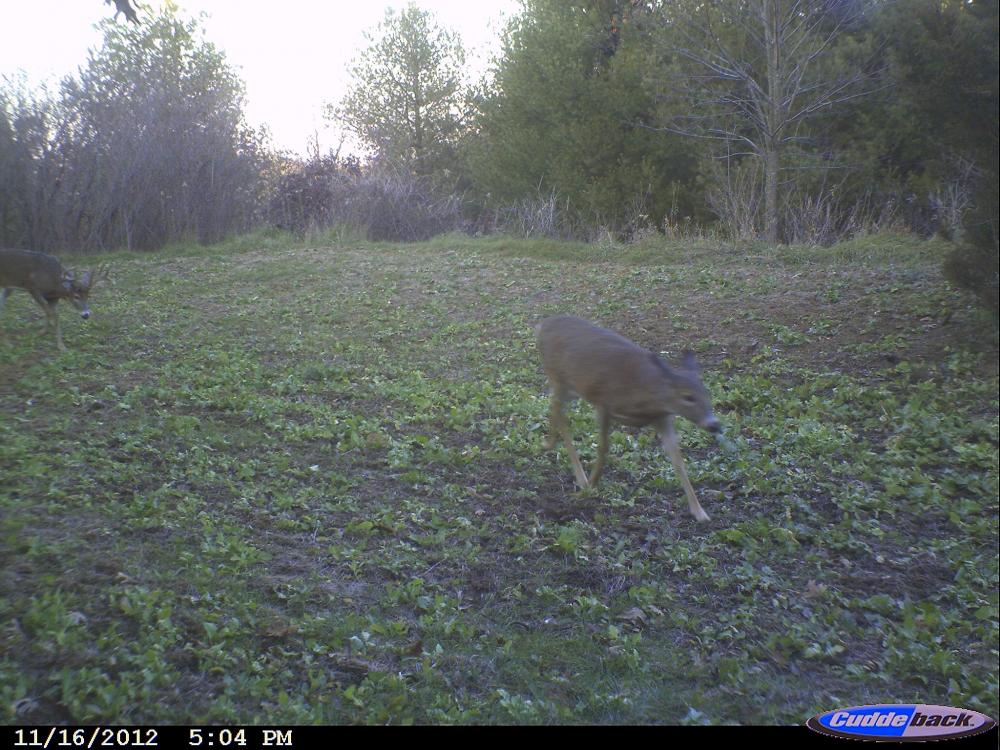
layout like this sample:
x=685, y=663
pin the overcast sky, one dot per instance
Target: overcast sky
x=292, y=55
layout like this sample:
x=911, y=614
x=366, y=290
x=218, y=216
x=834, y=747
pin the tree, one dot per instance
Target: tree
x=33, y=123
x=752, y=74
x=147, y=146
x=407, y=100
x=165, y=110
x=934, y=110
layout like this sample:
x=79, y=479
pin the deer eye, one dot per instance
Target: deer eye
x=688, y=398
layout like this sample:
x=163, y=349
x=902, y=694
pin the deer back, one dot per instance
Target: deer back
x=613, y=373
x=35, y=272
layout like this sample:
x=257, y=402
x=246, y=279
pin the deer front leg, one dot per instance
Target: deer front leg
x=555, y=409
x=54, y=319
x=51, y=317
x=561, y=425
x=668, y=439
x=604, y=424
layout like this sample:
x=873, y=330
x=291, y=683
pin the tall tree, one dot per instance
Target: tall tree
x=147, y=146
x=407, y=100
x=752, y=73
x=164, y=104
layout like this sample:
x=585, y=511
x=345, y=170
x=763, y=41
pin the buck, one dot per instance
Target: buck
x=44, y=278
x=625, y=383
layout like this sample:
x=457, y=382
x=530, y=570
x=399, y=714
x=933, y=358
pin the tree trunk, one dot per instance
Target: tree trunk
x=771, y=169
x=774, y=117
x=418, y=125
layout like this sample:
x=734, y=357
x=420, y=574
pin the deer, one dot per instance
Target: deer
x=45, y=279
x=624, y=383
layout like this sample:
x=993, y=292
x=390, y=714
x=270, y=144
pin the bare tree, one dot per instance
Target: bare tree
x=753, y=72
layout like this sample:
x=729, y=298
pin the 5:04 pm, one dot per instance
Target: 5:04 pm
x=221, y=737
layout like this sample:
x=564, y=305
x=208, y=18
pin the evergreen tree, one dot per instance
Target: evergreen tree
x=564, y=113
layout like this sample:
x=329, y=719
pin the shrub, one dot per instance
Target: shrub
x=385, y=204
x=303, y=194
x=398, y=207
x=973, y=263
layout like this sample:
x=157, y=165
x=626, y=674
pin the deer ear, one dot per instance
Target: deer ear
x=658, y=361
x=688, y=361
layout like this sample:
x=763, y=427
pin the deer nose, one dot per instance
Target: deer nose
x=85, y=314
x=712, y=425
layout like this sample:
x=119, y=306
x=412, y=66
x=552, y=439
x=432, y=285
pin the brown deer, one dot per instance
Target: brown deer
x=44, y=278
x=625, y=383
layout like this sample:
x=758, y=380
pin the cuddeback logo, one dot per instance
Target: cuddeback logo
x=910, y=721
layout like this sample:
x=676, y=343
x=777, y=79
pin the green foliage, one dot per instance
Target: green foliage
x=944, y=68
x=889, y=110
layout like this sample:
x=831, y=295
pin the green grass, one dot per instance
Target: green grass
x=293, y=482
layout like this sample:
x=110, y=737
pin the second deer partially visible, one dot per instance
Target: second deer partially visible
x=625, y=383
x=44, y=278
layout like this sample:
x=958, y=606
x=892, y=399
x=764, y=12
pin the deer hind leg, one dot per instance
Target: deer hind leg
x=669, y=442
x=578, y=472
x=3, y=297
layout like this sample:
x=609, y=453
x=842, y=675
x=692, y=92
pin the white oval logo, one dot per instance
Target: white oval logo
x=901, y=721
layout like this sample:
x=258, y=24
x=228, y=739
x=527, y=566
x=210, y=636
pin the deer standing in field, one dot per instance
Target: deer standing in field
x=44, y=278
x=625, y=383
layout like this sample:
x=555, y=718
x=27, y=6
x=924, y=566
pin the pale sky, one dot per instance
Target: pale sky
x=292, y=56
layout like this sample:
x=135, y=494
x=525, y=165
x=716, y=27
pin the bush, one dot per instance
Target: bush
x=385, y=204
x=304, y=194
x=399, y=207
x=973, y=263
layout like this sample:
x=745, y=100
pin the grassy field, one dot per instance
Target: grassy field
x=293, y=483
